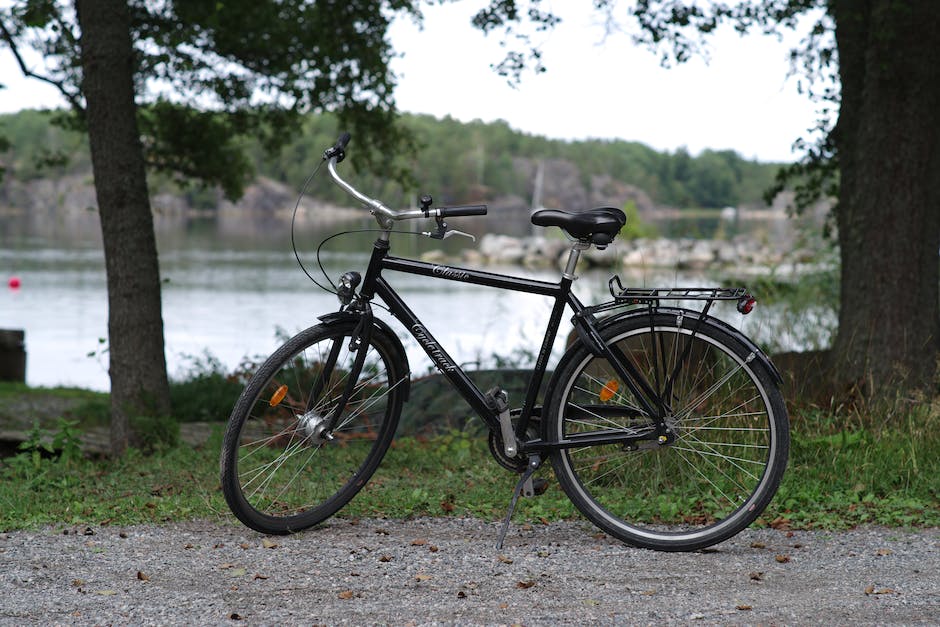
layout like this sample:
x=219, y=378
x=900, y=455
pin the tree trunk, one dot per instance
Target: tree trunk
x=135, y=325
x=888, y=145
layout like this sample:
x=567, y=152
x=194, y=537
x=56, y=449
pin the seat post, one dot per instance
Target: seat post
x=573, y=256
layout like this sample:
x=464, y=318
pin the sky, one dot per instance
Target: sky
x=594, y=87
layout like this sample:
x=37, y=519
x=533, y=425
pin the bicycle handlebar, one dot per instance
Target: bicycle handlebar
x=383, y=214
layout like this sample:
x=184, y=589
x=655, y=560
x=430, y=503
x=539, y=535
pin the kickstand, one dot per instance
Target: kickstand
x=525, y=482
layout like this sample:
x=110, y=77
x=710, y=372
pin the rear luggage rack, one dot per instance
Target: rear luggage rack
x=636, y=295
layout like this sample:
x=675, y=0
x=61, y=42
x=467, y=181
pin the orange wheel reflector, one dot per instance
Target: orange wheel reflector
x=607, y=392
x=278, y=396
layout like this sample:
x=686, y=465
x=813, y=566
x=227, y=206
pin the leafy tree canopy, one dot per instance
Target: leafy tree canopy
x=212, y=72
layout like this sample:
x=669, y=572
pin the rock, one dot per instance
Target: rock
x=434, y=256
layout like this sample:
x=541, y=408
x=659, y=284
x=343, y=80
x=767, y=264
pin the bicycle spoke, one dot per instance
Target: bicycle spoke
x=686, y=491
x=284, y=471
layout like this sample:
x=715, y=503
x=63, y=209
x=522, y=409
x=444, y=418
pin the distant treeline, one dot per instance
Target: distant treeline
x=455, y=161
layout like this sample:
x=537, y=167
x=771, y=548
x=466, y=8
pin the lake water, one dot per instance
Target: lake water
x=232, y=287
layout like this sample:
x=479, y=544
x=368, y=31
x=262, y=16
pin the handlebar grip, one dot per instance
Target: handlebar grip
x=465, y=210
x=338, y=149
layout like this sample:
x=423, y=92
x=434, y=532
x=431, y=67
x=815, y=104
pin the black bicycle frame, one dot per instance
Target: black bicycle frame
x=374, y=284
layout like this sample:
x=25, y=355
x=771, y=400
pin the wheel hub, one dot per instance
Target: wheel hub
x=314, y=427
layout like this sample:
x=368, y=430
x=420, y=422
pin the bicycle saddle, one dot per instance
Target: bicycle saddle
x=599, y=226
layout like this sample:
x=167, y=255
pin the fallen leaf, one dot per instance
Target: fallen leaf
x=268, y=544
x=744, y=608
x=385, y=558
x=525, y=584
x=756, y=576
x=872, y=590
x=648, y=593
x=189, y=546
x=419, y=542
x=883, y=552
x=244, y=545
x=239, y=572
x=142, y=576
x=782, y=559
x=504, y=559
x=590, y=602
x=869, y=589
x=106, y=593
x=780, y=523
x=346, y=594
x=422, y=577
x=261, y=577
x=447, y=506
x=758, y=545
x=433, y=549
x=503, y=606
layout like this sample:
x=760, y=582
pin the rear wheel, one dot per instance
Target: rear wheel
x=282, y=470
x=726, y=413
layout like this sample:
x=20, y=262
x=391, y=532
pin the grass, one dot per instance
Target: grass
x=875, y=464
x=837, y=478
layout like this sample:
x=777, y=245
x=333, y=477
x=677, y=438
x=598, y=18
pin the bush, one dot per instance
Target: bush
x=205, y=393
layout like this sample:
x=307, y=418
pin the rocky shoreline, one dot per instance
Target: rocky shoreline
x=741, y=256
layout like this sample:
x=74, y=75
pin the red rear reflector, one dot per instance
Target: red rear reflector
x=746, y=304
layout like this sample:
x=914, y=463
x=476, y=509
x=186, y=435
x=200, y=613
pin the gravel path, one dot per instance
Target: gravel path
x=447, y=572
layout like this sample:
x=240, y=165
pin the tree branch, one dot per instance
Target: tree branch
x=72, y=98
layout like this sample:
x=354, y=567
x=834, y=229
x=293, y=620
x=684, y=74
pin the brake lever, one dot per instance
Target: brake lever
x=456, y=232
x=444, y=234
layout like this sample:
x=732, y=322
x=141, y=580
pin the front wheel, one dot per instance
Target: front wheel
x=725, y=411
x=282, y=469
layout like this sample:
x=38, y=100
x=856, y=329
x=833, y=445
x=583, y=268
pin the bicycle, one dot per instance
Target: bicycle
x=665, y=426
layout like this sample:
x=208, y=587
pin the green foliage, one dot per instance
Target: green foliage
x=205, y=393
x=837, y=478
x=457, y=162
x=45, y=451
x=36, y=147
x=172, y=484
x=245, y=68
x=635, y=227
x=154, y=433
x=202, y=145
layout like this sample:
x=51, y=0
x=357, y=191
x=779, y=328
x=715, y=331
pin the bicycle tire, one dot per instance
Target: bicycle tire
x=278, y=474
x=728, y=417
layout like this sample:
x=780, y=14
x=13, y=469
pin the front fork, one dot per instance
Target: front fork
x=359, y=344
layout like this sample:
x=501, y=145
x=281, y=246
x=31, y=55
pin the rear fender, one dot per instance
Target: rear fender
x=692, y=314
